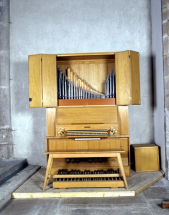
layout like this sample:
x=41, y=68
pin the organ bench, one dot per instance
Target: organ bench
x=110, y=181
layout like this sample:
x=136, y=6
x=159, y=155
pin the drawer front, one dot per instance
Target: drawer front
x=103, y=144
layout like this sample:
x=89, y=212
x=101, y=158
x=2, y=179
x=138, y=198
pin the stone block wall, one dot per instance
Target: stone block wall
x=6, y=147
x=165, y=19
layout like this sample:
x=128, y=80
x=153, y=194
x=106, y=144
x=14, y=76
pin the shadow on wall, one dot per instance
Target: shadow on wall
x=29, y=124
x=153, y=71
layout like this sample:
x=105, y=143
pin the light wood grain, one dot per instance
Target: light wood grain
x=51, y=121
x=70, y=194
x=49, y=80
x=122, y=169
x=135, y=78
x=80, y=102
x=103, y=144
x=48, y=169
x=146, y=158
x=122, y=78
x=54, y=144
x=146, y=185
x=82, y=155
x=125, y=145
x=123, y=120
x=93, y=69
x=106, y=164
x=72, y=184
x=35, y=80
x=87, y=115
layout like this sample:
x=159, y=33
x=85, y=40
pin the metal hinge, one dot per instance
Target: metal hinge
x=129, y=56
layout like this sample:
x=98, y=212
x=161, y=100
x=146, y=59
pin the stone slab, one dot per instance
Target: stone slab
x=13, y=183
x=9, y=168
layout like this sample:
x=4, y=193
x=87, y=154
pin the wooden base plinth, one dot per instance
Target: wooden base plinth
x=84, y=184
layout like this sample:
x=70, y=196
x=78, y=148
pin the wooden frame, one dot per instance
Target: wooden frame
x=84, y=154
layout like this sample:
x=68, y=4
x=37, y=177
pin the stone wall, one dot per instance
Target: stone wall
x=165, y=18
x=157, y=68
x=6, y=147
x=76, y=26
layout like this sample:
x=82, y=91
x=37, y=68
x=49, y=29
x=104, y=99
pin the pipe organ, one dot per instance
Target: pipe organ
x=86, y=98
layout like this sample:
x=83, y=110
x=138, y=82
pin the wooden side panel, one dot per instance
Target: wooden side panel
x=123, y=120
x=82, y=115
x=122, y=78
x=49, y=80
x=135, y=78
x=35, y=82
x=51, y=121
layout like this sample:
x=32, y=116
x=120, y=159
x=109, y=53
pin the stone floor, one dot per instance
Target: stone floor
x=148, y=202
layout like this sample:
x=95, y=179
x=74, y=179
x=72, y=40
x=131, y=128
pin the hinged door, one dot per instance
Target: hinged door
x=42, y=81
x=127, y=78
x=122, y=78
x=35, y=81
x=135, y=78
x=49, y=82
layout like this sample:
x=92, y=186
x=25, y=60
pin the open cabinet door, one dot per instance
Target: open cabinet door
x=35, y=81
x=49, y=80
x=127, y=78
x=42, y=80
x=122, y=78
x=135, y=78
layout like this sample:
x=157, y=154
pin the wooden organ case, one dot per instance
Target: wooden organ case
x=104, y=118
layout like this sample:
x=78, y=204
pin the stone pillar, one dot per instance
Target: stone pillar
x=6, y=147
x=165, y=18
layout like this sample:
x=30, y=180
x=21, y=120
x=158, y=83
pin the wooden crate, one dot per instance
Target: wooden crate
x=145, y=157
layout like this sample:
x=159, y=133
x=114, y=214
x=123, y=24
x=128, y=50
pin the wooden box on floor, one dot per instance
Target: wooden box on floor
x=145, y=157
